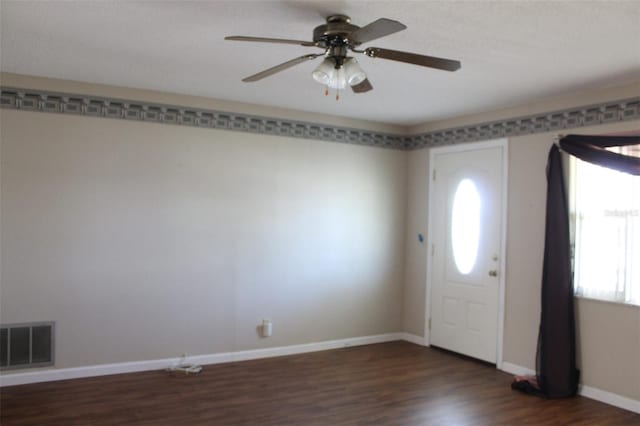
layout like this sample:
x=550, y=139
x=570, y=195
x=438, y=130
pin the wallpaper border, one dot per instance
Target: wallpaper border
x=96, y=106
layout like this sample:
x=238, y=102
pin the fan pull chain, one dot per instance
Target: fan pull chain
x=326, y=93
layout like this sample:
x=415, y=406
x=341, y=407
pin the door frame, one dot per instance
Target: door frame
x=472, y=146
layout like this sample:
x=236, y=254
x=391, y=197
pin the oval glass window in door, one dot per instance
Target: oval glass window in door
x=465, y=225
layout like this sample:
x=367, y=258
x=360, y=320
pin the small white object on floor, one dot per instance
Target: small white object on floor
x=185, y=368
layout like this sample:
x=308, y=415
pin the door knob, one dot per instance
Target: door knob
x=493, y=273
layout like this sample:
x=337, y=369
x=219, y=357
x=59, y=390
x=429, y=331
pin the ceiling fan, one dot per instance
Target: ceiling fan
x=339, y=36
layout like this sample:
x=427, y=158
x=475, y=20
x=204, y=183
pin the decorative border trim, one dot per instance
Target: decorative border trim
x=95, y=106
x=590, y=115
x=583, y=390
x=22, y=378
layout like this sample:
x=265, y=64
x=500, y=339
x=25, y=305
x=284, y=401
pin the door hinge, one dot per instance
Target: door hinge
x=434, y=174
x=433, y=249
x=429, y=324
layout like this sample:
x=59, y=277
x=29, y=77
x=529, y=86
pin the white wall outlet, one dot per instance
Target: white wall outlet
x=267, y=328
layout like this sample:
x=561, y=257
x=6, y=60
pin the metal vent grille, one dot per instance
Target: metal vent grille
x=26, y=345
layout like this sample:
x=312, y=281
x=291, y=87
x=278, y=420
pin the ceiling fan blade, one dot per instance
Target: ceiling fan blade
x=283, y=66
x=271, y=40
x=380, y=28
x=413, y=58
x=363, y=87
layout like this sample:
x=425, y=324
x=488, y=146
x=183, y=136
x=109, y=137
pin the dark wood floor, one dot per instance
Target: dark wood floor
x=386, y=384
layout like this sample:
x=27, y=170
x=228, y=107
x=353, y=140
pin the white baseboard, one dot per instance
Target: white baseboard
x=52, y=374
x=586, y=391
x=517, y=370
x=610, y=398
x=21, y=378
x=414, y=338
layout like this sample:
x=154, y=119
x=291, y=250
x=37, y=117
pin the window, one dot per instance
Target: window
x=605, y=215
x=465, y=225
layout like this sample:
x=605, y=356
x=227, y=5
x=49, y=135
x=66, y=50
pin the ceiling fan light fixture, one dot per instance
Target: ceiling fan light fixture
x=323, y=72
x=349, y=74
x=328, y=75
x=337, y=37
x=338, y=80
x=354, y=74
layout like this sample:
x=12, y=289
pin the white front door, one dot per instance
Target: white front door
x=466, y=234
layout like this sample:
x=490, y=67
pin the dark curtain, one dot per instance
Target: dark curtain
x=556, y=358
x=592, y=149
x=556, y=372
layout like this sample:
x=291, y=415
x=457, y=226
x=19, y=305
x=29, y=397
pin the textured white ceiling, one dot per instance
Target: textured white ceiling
x=511, y=51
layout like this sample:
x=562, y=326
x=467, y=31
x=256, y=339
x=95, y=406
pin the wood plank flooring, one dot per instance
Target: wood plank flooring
x=394, y=383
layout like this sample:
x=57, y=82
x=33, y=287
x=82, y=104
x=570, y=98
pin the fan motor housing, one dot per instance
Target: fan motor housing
x=335, y=32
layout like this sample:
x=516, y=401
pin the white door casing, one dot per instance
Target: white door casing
x=465, y=287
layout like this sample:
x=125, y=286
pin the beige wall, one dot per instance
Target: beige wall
x=145, y=241
x=415, y=266
x=608, y=334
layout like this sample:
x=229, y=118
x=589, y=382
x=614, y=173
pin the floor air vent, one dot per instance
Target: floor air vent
x=26, y=345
